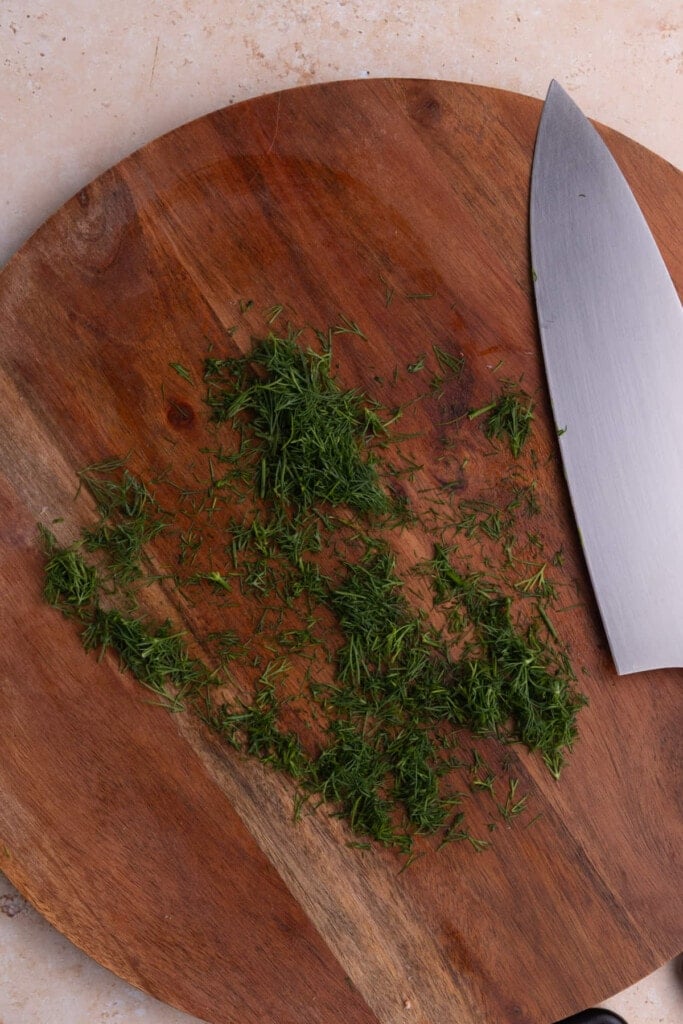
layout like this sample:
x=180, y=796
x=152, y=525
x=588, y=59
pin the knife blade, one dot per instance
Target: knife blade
x=611, y=328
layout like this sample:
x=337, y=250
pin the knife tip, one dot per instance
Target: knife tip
x=558, y=100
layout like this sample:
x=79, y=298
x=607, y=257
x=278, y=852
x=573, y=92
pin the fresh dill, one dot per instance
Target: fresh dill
x=273, y=313
x=453, y=364
x=156, y=655
x=349, y=683
x=69, y=582
x=129, y=517
x=258, y=722
x=511, y=680
x=510, y=416
x=182, y=371
x=310, y=433
x=417, y=365
x=347, y=326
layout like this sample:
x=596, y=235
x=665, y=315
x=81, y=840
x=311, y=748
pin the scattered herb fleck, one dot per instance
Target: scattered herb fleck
x=417, y=365
x=181, y=371
x=447, y=362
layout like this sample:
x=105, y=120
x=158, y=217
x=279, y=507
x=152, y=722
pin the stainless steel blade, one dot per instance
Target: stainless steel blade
x=611, y=328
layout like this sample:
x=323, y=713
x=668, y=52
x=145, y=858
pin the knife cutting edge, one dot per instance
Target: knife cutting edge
x=611, y=328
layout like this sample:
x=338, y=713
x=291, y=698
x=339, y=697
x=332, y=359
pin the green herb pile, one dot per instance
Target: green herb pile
x=363, y=681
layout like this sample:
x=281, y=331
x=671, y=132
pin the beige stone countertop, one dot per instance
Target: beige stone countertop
x=83, y=83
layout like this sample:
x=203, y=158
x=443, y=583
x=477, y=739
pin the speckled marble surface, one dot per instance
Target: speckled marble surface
x=83, y=83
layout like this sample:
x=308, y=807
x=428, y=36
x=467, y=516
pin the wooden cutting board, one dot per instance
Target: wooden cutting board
x=170, y=859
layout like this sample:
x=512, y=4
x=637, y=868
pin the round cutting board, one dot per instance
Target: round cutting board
x=169, y=858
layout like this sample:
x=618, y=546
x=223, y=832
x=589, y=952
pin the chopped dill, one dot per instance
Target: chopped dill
x=182, y=371
x=537, y=584
x=69, y=583
x=273, y=313
x=310, y=433
x=509, y=673
x=114, y=491
x=129, y=518
x=258, y=722
x=514, y=805
x=347, y=326
x=353, y=684
x=388, y=292
x=124, y=541
x=478, y=514
x=417, y=365
x=455, y=364
x=510, y=416
x=157, y=656
x=351, y=772
x=228, y=646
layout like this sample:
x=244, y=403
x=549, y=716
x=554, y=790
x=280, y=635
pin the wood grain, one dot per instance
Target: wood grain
x=167, y=857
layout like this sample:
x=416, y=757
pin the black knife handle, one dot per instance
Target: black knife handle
x=593, y=1017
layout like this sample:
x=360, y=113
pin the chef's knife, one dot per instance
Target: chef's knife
x=611, y=328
